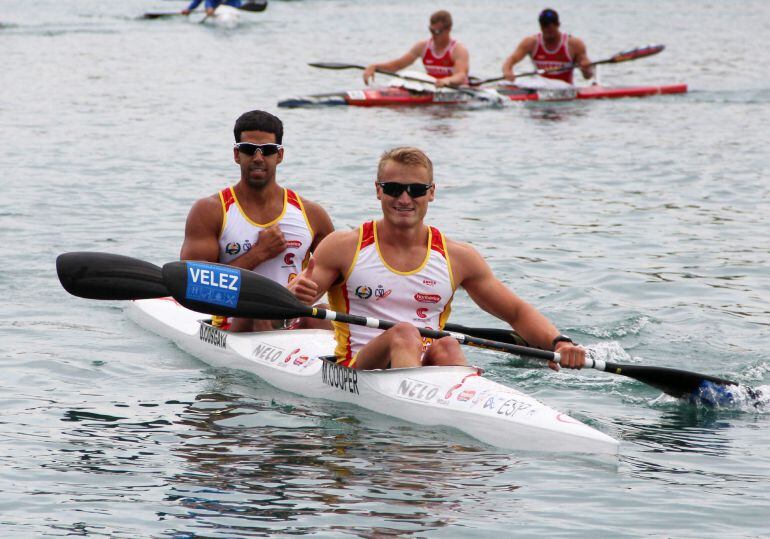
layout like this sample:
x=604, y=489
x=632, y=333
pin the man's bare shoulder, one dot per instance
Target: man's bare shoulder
x=529, y=42
x=460, y=250
x=576, y=44
x=312, y=207
x=343, y=238
x=418, y=48
x=207, y=206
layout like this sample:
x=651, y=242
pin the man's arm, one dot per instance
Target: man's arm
x=476, y=277
x=523, y=50
x=194, y=4
x=397, y=64
x=330, y=262
x=580, y=57
x=201, y=231
x=461, y=59
x=201, y=237
x=319, y=221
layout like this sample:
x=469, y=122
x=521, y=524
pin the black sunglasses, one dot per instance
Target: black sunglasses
x=414, y=190
x=249, y=148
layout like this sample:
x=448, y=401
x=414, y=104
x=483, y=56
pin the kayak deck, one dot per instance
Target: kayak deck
x=457, y=397
x=389, y=96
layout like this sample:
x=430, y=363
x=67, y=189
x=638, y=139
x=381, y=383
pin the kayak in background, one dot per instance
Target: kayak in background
x=403, y=96
x=224, y=15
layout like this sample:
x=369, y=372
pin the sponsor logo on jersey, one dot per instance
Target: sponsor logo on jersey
x=421, y=312
x=429, y=282
x=233, y=248
x=364, y=292
x=288, y=259
x=293, y=244
x=247, y=246
x=381, y=293
x=427, y=298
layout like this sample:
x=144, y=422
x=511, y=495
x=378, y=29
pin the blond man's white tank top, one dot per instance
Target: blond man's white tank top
x=422, y=297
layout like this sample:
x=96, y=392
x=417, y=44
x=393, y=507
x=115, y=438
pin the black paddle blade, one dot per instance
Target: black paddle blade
x=335, y=65
x=227, y=291
x=639, y=52
x=254, y=6
x=160, y=15
x=108, y=276
x=681, y=384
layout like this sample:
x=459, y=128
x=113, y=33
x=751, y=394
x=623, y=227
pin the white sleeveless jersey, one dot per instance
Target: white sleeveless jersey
x=239, y=234
x=422, y=297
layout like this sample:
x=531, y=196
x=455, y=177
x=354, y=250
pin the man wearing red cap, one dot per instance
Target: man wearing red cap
x=551, y=50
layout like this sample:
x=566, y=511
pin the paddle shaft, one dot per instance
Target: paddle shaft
x=331, y=65
x=326, y=314
x=108, y=276
x=633, y=54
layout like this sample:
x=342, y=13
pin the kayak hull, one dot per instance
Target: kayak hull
x=398, y=96
x=457, y=397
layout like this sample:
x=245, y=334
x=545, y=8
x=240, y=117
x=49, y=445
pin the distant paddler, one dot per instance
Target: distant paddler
x=551, y=50
x=444, y=58
x=210, y=5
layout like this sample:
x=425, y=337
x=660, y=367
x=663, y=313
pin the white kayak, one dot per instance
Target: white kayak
x=457, y=397
x=230, y=17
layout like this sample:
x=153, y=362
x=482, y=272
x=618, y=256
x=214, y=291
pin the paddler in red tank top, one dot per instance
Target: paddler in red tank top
x=444, y=58
x=551, y=49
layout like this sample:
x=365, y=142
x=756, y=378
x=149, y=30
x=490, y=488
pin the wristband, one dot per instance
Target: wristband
x=560, y=338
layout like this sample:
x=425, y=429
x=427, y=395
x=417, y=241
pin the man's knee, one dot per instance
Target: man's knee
x=405, y=332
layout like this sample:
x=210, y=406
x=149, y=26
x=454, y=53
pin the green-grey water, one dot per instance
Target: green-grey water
x=638, y=226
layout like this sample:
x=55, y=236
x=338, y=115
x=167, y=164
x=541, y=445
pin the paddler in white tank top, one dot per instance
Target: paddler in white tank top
x=442, y=56
x=257, y=224
x=399, y=268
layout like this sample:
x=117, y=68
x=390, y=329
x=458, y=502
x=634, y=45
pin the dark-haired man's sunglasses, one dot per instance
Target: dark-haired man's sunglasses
x=249, y=148
x=414, y=190
x=436, y=32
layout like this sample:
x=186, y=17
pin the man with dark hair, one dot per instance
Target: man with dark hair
x=552, y=50
x=256, y=224
x=444, y=58
x=400, y=268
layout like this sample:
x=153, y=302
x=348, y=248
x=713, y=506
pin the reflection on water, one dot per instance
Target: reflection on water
x=322, y=473
x=227, y=464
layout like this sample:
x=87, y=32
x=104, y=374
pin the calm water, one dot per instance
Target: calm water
x=638, y=225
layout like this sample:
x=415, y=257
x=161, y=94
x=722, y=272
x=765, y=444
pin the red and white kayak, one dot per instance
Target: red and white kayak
x=388, y=96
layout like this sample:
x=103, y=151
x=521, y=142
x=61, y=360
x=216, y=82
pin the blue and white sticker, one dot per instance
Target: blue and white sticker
x=217, y=285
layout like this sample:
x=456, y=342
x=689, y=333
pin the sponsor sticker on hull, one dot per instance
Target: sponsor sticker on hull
x=417, y=390
x=267, y=352
x=212, y=335
x=340, y=377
